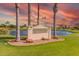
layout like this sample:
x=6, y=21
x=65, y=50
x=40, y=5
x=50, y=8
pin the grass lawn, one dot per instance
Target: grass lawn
x=68, y=47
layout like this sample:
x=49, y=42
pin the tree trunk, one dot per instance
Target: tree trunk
x=38, y=15
x=17, y=23
x=54, y=26
x=54, y=20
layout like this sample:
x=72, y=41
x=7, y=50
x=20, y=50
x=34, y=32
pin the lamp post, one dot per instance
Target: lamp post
x=54, y=19
x=17, y=23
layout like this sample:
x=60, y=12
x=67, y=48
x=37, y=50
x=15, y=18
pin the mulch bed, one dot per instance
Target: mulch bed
x=30, y=42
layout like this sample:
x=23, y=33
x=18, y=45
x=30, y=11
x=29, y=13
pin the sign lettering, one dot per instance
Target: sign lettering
x=40, y=30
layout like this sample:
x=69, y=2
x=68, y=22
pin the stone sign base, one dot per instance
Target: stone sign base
x=24, y=43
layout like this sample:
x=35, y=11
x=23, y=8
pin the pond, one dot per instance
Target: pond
x=59, y=33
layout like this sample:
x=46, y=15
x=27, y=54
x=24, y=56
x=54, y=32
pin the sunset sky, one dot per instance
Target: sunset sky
x=67, y=13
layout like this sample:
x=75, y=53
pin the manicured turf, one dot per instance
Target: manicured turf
x=70, y=46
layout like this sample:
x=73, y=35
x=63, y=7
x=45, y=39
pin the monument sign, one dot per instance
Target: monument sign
x=39, y=32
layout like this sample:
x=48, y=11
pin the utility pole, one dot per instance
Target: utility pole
x=17, y=23
x=54, y=19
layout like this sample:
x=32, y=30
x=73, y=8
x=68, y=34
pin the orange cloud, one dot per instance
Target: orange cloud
x=67, y=14
x=44, y=12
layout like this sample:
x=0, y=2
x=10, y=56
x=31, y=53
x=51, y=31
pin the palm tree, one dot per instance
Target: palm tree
x=28, y=16
x=17, y=23
x=54, y=20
